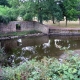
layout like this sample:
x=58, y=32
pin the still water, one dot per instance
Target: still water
x=20, y=50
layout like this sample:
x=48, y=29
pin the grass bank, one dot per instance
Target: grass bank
x=46, y=69
x=19, y=33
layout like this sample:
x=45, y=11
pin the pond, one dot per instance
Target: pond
x=20, y=50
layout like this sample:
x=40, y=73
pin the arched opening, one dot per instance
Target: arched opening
x=18, y=27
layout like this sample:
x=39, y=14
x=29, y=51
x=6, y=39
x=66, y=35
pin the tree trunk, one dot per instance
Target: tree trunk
x=40, y=18
x=41, y=21
x=66, y=21
x=53, y=19
x=79, y=21
x=0, y=45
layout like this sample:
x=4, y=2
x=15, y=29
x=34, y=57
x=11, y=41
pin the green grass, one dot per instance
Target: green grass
x=20, y=33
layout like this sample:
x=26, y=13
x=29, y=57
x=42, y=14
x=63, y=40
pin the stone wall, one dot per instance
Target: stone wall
x=10, y=27
x=65, y=31
x=24, y=26
x=42, y=28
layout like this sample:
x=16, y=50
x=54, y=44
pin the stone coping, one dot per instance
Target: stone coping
x=65, y=34
x=64, y=31
x=28, y=35
x=39, y=34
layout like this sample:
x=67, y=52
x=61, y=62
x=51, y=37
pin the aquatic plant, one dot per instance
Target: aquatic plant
x=1, y=50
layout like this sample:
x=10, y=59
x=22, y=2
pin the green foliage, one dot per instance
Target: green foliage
x=2, y=50
x=8, y=14
x=43, y=9
x=3, y=10
x=12, y=14
x=55, y=10
x=28, y=17
x=2, y=55
x=22, y=10
x=4, y=2
x=46, y=69
x=69, y=9
x=14, y=3
x=4, y=19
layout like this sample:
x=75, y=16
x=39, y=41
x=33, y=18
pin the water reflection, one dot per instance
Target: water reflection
x=19, y=42
x=18, y=51
x=29, y=48
x=57, y=45
x=45, y=45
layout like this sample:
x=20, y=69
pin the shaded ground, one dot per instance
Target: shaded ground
x=72, y=27
x=71, y=24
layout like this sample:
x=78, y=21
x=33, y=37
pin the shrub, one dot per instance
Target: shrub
x=13, y=14
x=8, y=14
x=46, y=69
x=4, y=19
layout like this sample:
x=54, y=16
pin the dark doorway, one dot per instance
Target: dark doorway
x=18, y=27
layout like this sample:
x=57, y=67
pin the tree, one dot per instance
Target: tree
x=26, y=10
x=4, y=2
x=14, y=3
x=40, y=9
x=78, y=10
x=43, y=9
x=55, y=10
x=69, y=9
x=7, y=13
x=34, y=8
